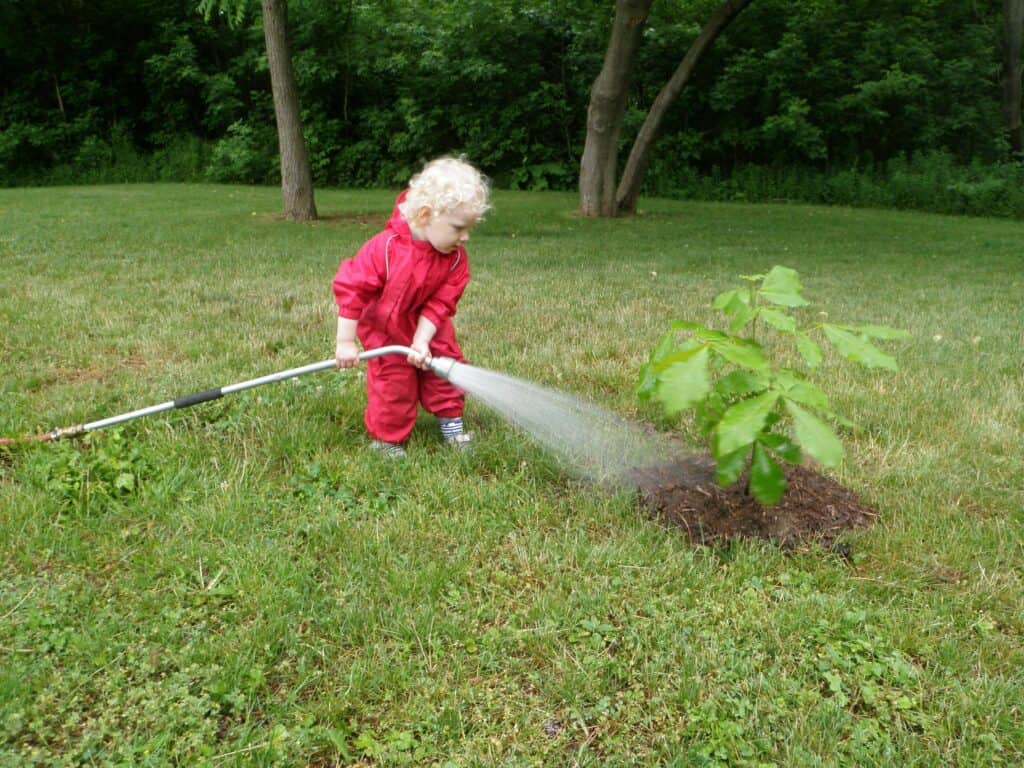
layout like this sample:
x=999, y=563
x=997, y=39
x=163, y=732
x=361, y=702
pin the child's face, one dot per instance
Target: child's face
x=447, y=230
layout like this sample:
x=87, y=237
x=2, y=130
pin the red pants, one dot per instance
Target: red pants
x=394, y=388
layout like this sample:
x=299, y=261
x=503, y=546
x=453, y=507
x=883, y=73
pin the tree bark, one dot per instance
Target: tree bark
x=296, y=177
x=60, y=99
x=1013, y=39
x=639, y=156
x=608, y=99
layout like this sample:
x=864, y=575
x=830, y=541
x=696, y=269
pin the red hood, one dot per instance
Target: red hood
x=400, y=227
x=397, y=222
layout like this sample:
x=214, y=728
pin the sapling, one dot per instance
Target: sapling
x=754, y=410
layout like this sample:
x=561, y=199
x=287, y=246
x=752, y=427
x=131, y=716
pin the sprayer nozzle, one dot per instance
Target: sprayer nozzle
x=442, y=366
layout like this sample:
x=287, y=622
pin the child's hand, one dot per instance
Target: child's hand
x=420, y=356
x=346, y=354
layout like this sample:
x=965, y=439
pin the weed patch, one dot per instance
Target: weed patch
x=100, y=471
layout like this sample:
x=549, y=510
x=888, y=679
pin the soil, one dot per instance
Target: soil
x=815, y=508
x=378, y=220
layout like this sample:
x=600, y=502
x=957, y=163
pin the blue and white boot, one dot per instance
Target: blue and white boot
x=455, y=435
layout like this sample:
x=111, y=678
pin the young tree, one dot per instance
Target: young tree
x=296, y=176
x=607, y=108
x=1013, y=38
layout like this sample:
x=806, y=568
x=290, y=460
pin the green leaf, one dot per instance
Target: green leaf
x=708, y=413
x=367, y=743
x=742, y=422
x=730, y=298
x=707, y=335
x=736, y=305
x=778, y=320
x=809, y=350
x=858, y=348
x=815, y=436
x=741, y=351
x=782, y=286
x=729, y=467
x=740, y=383
x=648, y=381
x=767, y=482
x=783, y=446
x=401, y=741
x=680, y=354
x=741, y=318
x=806, y=393
x=684, y=384
x=665, y=345
x=648, y=371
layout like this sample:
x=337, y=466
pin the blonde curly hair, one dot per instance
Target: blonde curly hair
x=444, y=185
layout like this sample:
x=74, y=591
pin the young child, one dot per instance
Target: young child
x=402, y=287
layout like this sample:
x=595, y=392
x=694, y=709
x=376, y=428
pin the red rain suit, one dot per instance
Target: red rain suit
x=387, y=287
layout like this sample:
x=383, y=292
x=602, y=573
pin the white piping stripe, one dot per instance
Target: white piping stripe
x=387, y=257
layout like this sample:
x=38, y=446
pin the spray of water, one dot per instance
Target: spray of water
x=598, y=444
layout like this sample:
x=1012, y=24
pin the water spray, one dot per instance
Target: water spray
x=442, y=366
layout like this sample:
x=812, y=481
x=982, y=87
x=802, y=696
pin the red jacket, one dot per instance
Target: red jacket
x=394, y=279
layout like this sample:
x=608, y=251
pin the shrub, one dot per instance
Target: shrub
x=184, y=158
x=930, y=181
x=743, y=400
x=243, y=156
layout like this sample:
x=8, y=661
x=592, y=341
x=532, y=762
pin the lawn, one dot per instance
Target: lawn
x=244, y=583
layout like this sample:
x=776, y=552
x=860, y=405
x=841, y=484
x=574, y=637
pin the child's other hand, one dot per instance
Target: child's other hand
x=346, y=354
x=421, y=353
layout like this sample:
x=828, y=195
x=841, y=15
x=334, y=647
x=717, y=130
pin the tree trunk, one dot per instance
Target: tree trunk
x=60, y=99
x=1013, y=39
x=608, y=98
x=639, y=156
x=296, y=177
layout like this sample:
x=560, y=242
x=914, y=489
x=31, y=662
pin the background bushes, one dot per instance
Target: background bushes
x=853, y=102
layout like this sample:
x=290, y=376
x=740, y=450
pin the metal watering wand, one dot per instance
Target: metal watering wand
x=441, y=366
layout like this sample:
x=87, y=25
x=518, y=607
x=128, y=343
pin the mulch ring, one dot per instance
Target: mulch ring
x=814, y=508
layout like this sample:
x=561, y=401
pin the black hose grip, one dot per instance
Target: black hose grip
x=197, y=397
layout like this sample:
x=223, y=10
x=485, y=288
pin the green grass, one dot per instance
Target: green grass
x=243, y=583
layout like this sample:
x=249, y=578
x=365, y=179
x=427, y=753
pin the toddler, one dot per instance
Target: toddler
x=402, y=287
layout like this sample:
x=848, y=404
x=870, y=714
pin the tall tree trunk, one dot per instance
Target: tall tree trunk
x=296, y=177
x=1013, y=40
x=640, y=155
x=608, y=98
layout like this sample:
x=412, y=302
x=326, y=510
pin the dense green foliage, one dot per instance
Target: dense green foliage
x=135, y=90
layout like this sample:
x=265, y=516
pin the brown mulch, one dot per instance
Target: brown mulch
x=815, y=508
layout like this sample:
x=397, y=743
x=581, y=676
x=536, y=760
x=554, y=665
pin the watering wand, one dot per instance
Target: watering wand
x=442, y=366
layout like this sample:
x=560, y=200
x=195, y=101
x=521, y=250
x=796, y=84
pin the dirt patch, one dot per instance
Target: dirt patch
x=94, y=372
x=378, y=220
x=84, y=375
x=6, y=462
x=815, y=508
